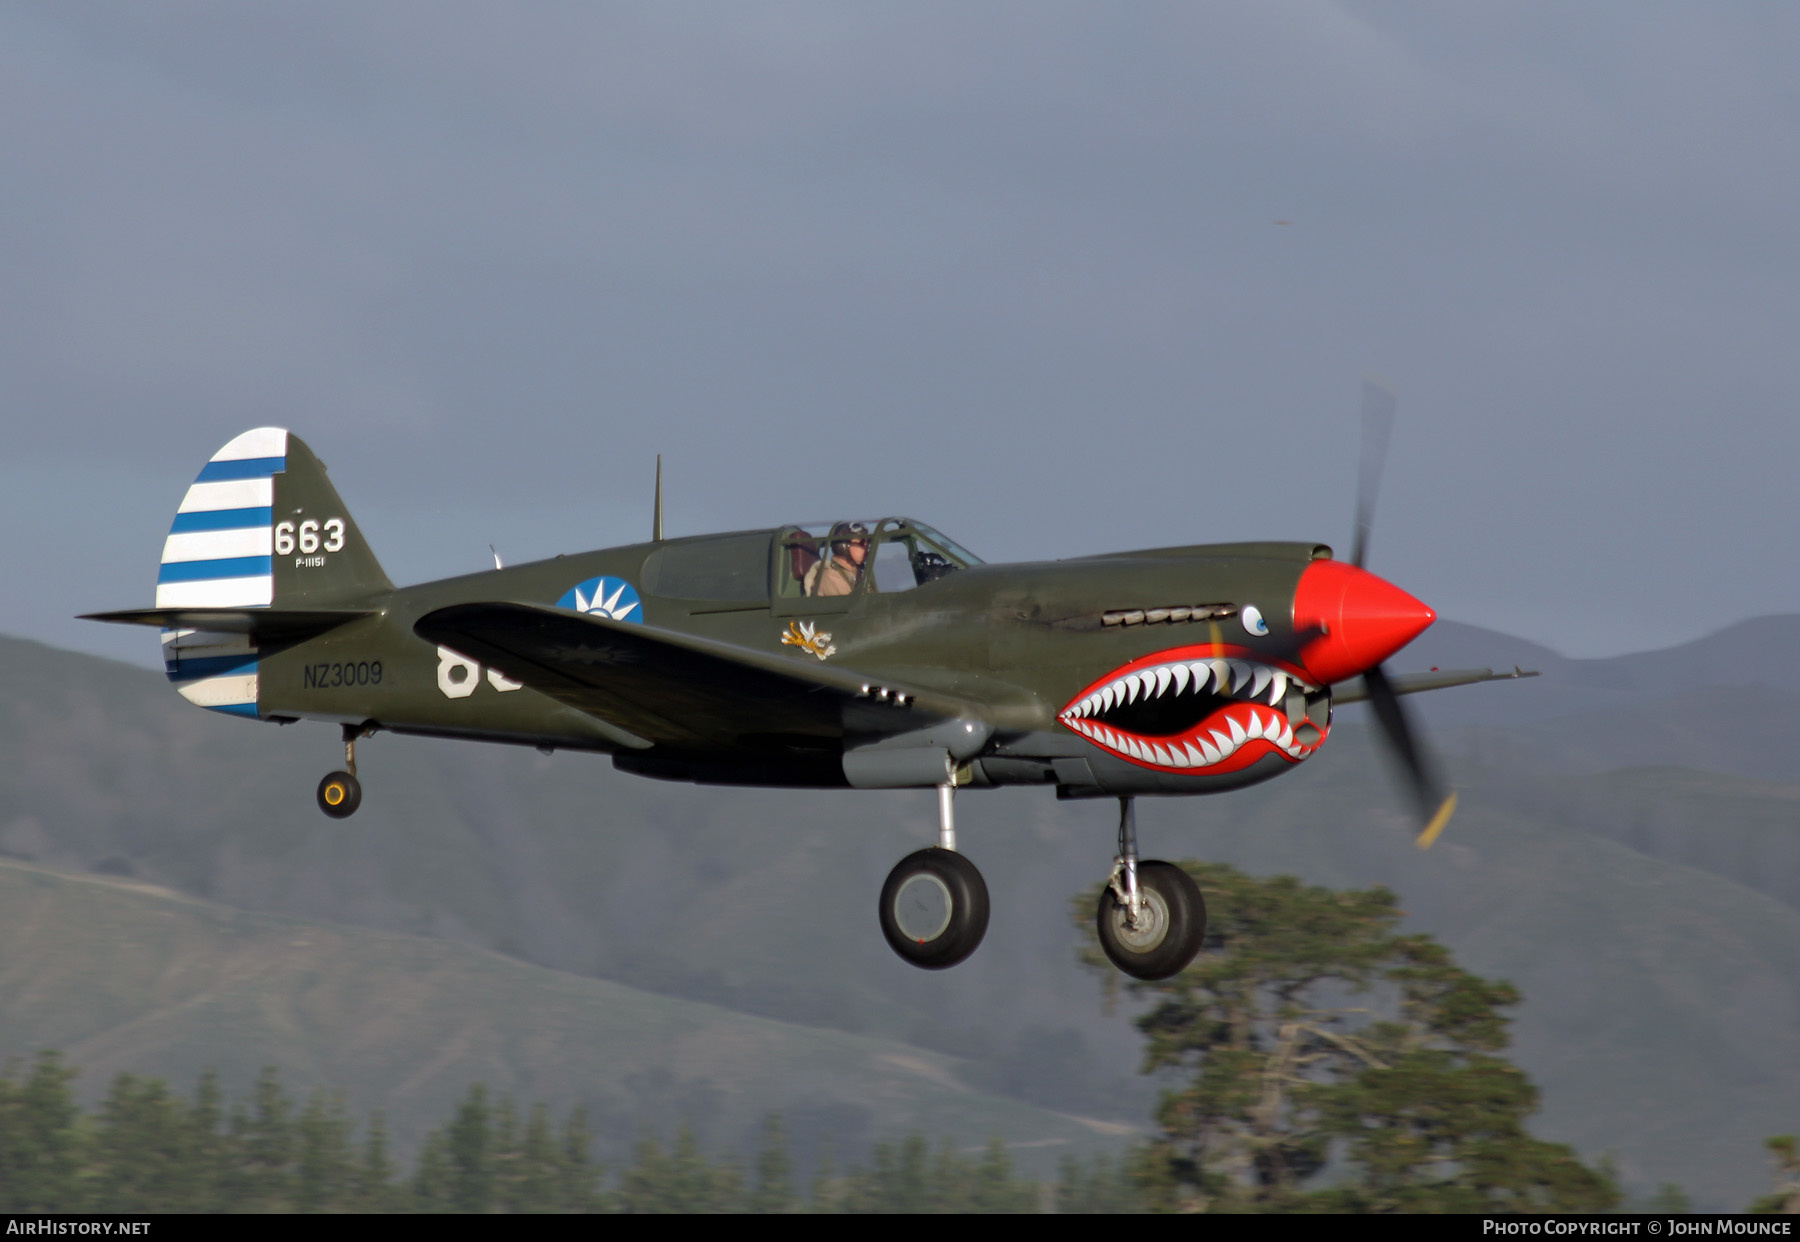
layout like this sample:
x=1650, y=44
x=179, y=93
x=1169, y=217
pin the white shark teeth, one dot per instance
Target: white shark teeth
x=1245, y=681
x=1260, y=677
x=1251, y=724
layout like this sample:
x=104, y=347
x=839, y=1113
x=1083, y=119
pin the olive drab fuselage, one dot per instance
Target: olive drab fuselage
x=1019, y=640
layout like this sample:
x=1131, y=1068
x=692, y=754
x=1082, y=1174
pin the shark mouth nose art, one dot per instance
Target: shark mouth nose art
x=1197, y=709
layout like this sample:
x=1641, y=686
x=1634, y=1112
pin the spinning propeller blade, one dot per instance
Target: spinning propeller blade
x=1378, y=422
x=1436, y=805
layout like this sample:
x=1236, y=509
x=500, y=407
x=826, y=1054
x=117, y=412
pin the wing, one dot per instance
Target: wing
x=680, y=690
x=1418, y=683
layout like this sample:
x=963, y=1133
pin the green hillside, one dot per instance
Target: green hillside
x=126, y=977
x=1645, y=912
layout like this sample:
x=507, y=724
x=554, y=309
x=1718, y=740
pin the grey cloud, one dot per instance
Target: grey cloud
x=1013, y=268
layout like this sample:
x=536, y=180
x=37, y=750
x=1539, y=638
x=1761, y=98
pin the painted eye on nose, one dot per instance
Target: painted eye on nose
x=1252, y=618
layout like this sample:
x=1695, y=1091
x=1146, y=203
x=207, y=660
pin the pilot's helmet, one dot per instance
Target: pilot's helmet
x=846, y=533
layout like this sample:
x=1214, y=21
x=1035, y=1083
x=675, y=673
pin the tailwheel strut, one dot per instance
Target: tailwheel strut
x=1152, y=919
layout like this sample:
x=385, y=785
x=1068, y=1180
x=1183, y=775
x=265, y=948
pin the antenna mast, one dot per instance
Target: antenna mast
x=656, y=527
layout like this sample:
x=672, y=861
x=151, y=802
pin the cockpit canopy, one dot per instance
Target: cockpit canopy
x=891, y=554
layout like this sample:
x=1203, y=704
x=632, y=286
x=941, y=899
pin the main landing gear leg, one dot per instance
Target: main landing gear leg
x=934, y=906
x=340, y=793
x=1152, y=919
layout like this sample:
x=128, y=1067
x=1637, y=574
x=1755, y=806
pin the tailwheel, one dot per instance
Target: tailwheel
x=1169, y=928
x=934, y=908
x=339, y=795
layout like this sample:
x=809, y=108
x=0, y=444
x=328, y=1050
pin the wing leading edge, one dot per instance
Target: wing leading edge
x=1418, y=683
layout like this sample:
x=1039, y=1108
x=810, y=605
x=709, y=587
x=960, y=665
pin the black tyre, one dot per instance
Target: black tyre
x=1171, y=923
x=339, y=795
x=934, y=908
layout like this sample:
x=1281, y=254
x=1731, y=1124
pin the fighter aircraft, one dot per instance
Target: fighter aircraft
x=871, y=653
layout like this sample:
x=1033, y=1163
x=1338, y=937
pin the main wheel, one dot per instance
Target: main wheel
x=934, y=908
x=339, y=795
x=1171, y=923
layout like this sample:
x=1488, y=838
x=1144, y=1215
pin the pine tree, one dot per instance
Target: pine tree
x=994, y=1188
x=828, y=1189
x=142, y=1156
x=205, y=1122
x=1096, y=1188
x=327, y=1176
x=261, y=1177
x=433, y=1179
x=375, y=1191
x=468, y=1145
x=774, y=1190
x=534, y=1184
x=1786, y=1199
x=40, y=1138
x=578, y=1177
x=1310, y=1031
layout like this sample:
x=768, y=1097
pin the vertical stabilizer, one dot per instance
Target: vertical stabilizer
x=261, y=527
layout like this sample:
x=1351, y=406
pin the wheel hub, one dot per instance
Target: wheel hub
x=1152, y=922
x=923, y=907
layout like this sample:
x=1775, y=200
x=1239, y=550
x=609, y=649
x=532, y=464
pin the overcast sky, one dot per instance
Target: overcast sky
x=1055, y=278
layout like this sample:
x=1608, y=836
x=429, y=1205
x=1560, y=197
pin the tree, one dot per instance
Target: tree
x=680, y=1180
x=262, y=1139
x=328, y=1177
x=40, y=1138
x=1786, y=1198
x=143, y=1153
x=774, y=1190
x=1102, y=1187
x=469, y=1148
x=206, y=1120
x=375, y=1191
x=1312, y=1034
x=577, y=1176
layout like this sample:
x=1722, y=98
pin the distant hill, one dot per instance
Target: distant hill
x=1612, y=857
x=123, y=976
x=1762, y=653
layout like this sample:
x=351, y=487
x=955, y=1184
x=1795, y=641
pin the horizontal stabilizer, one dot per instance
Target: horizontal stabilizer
x=262, y=622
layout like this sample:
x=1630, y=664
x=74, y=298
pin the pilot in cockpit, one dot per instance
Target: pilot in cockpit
x=839, y=575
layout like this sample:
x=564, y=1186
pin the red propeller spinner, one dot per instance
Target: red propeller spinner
x=1355, y=619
